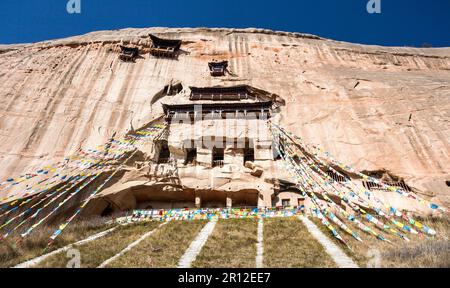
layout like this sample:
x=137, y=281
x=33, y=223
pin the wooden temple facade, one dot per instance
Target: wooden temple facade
x=218, y=68
x=128, y=53
x=166, y=48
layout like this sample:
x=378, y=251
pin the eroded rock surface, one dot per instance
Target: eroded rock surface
x=372, y=107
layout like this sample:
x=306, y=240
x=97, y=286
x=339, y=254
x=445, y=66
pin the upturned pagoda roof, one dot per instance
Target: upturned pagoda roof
x=165, y=43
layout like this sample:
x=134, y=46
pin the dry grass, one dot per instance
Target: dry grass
x=95, y=252
x=288, y=244
x=232, y=244
x=162, y=249
x=424, y=254
x=32, y=246
x=421, y=252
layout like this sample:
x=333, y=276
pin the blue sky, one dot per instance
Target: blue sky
x=401, y=22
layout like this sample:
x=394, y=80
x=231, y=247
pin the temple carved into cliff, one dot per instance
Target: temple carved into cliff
x=215, y=139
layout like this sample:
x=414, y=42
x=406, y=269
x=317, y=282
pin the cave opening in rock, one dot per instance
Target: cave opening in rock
x=244, y=199
x=218, y=199
x=173, y=89
x=161, y=197
x=108, y=211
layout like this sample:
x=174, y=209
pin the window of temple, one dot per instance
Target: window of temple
x=128, y=53
x=285, y=202
x=217, y=157
x=249, y=155
x=164, y=153
x=191, y=155
x=217, y=68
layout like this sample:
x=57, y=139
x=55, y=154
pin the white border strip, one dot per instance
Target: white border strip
x=131, y=246
x=196, y=246
x=259, y=244
x=339, y=257
x=37, y=260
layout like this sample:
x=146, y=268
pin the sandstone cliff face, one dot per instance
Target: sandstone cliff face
x=353, y=100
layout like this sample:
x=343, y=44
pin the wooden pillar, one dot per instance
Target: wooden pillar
x=198, y=200
x=229, y=202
